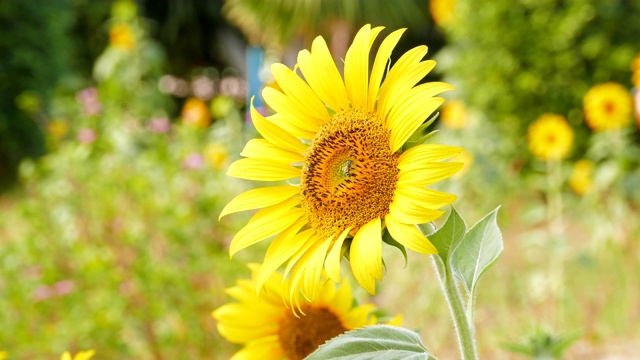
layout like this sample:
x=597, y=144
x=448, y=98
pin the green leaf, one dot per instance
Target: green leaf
x=449, y=235
x=381, y=342
x=388, y=239
x=478, y=250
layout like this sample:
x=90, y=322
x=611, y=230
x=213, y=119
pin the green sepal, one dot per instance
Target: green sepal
x=418, y=137
x=389, y=240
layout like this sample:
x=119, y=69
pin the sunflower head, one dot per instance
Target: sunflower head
x=339, y=142
x=270, y=330
x=607, y=107
x=550, y=137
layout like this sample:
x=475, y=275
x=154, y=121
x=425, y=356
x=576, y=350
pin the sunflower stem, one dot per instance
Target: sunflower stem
x=462, y=323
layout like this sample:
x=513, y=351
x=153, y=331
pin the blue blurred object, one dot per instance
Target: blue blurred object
x=255, y=56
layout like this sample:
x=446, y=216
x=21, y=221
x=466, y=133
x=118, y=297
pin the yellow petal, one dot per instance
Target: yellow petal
x=296, y=88
x=85, y=355
x=262, y=170
x=321, y=74
x=259, y=198
x=427, y=153
x=425, y=174
x=326, y=295
x=266, y=225
x=66, y=356
x=312, y=274
x=428, y=197
x=404, y=75
x=283, y=247
x=290, y=110
x=406, y=211
x=242, y=315
x=356, y=66
x=275, y=134
x=264, y=348
x=366, y=255
x=242, y=334
x=288, y=125
x=406, y=117
x=409, y=236
x=332, y=263
x=263, y=149
x=358, y=316
x=343, y=300
x=380, y=65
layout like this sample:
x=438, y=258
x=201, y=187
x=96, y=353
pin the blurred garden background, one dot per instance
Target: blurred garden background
x=118, y=120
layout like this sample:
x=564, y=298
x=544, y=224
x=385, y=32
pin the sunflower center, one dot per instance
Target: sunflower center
x=299, y=337
x=349, y=174
x=609, y=107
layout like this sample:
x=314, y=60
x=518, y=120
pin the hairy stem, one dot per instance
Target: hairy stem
x=463, y=325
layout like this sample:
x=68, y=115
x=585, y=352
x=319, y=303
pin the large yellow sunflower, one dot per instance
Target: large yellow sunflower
x=550, y=137
x=269, y=330
x=607, y=107
x=340, y=143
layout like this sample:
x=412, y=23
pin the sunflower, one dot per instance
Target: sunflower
x=581, y=180
x=340, y=143
x=550, y=137
x=269, y=330
x=607, y=107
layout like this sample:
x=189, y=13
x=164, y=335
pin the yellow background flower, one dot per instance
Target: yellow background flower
x=607, y=107
x=635, y=71
x=121, y=36
x=81, y=355
x=581, y=180
x=454, y=114
x=343, y=139
x=269, y=330
x=550, y=137
x=216, y=155
x=195, y=112
x=442, y=11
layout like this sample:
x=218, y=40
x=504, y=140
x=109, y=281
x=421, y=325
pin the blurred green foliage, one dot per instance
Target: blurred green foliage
x=515, y=60
x=35, y=54
x=113, y=242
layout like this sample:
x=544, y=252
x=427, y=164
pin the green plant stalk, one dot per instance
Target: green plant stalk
x=462, y=324
x=554, y=193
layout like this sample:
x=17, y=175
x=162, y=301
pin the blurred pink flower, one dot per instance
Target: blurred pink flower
x=88, y=98
x=193, y=161
x=159, y=125
x=64, y=287
x=87, y=135
x=41, y=293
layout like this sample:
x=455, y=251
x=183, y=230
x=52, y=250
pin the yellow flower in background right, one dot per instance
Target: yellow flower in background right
x=607, y=107
x=550, y=137
x=635, y=68
x=581, y=181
